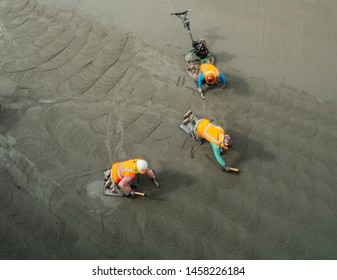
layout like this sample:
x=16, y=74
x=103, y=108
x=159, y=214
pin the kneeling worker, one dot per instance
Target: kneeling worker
x=121, y=178
x=203, y=129
x=210, y=74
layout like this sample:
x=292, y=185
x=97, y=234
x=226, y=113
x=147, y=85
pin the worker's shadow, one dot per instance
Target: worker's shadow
x=8, y=118
x=223, y=57
x=246, y=149
x=211, y=36
x=237, y=84
x=170, y=181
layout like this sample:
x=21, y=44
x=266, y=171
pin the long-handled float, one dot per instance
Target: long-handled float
x=198, y=55
x=191, y=58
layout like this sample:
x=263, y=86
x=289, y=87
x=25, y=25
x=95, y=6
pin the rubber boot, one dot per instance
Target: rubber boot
x=193, y=119
x=106, y=174
x=108, y=183
x=186, y=121
x=188, y=113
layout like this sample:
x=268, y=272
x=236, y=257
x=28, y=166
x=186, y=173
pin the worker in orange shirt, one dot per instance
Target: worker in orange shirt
x=210, y=74
x=203, y=129
x=121, y=178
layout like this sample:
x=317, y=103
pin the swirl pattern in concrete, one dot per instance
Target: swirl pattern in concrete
x=77, y=95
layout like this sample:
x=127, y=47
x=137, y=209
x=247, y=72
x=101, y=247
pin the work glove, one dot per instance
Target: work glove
x=226, y=169
x=201, y=94
x=224, y=86
x=132, y=193
x=154, y=179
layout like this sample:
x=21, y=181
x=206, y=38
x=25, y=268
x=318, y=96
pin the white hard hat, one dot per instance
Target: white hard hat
x=142, y=166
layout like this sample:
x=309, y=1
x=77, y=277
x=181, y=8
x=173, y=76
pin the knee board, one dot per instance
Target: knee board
x=110, y=192
x=188, y=131
x=185, y=128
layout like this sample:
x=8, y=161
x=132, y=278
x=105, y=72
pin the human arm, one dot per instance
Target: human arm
x=223, y=80
x=200, y=81
x=216, y=151
x=150, y=173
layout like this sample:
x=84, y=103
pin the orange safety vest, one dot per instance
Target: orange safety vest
x=205, y=68
x=210, y=132
x=120, y=170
